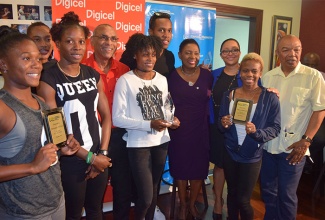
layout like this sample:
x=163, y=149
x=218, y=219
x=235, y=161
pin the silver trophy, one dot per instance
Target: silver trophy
x=169, y=108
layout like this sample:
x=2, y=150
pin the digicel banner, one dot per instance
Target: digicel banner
x=127, y=17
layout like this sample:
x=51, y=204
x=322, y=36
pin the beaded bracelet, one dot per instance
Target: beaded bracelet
x=89, y=156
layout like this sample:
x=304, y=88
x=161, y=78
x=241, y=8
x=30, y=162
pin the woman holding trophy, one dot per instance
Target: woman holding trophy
x=138, y=106
x=249, y=116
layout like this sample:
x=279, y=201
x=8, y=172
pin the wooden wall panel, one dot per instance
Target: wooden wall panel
x=312, y=29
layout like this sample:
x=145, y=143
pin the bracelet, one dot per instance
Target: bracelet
x=89, y=156
x=305, y=137
x=92, y=162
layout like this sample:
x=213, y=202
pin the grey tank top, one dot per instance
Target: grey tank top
x=33, y=196
x=11, y=144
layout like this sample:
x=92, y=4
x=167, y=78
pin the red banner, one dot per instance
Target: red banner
x=127, y=17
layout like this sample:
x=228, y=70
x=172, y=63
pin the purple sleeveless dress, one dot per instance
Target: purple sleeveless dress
x=189, y=146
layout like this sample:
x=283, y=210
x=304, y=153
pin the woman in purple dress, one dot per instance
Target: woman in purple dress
x=190, y=88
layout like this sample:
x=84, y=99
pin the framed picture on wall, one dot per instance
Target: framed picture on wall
x=47, y=13
x=5, y=11
x=281, y=26
x=28, y=12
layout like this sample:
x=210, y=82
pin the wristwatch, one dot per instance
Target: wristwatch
x=103, y=152
x=305, y=137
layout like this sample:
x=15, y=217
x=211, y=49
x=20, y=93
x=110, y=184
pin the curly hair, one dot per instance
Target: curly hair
x=139, y=42
x=9, y=38
x=68, y=20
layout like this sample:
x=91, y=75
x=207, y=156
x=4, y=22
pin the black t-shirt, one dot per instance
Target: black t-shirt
x=223, y=84
x=79, y=98
x=165, y=64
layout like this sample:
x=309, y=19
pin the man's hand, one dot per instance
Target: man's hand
x=299, y=149
x=274, y=90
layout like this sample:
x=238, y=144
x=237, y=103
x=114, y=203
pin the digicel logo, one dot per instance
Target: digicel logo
x=71, y=3
x=126, y=27
x=128, y=7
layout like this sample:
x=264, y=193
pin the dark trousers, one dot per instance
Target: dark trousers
x=147, y=167
x=80, y=193
x=241, y=179
x=121, y=177
x=316, y=148
x=279, y=183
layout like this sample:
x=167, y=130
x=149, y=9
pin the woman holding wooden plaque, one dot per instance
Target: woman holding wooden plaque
x=79, y=90
x=30, y=177
x=249, y=116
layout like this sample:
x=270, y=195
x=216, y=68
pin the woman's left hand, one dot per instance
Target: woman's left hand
x=176, y=123
x=71, y=146
x=159, y=125
x=250, y=128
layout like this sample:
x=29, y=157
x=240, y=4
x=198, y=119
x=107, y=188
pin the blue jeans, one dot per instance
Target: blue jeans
x=147, y=165
x=279, y=183
x=241, y=179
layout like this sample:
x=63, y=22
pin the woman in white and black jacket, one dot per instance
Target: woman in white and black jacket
x=244, y=142
x=138, y=106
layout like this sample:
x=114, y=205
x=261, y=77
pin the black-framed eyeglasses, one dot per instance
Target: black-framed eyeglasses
x=233, y=51
x=106, y=38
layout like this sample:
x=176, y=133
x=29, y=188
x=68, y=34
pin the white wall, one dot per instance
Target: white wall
x=14, y=3
x=230, y=28
x=288, y=8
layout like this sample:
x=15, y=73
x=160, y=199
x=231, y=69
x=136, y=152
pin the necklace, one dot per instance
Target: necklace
x=190, y=83
x=143, y=82
x=67, y=73
x=229, y=87
x=254, y=91
x=188, y=74
x=65, y=76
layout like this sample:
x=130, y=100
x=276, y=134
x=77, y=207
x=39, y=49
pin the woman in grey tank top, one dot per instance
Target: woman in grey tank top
x=30, y=181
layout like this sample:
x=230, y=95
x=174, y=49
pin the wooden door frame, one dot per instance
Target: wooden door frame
x=255, y=17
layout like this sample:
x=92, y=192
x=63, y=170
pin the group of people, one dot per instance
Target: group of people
x=117, y=124
x=32, y=15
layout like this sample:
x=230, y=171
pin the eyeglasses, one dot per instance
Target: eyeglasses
x=233, y=51
x=106, y=38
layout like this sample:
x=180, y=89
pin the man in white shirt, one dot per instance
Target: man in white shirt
x=302, y=101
